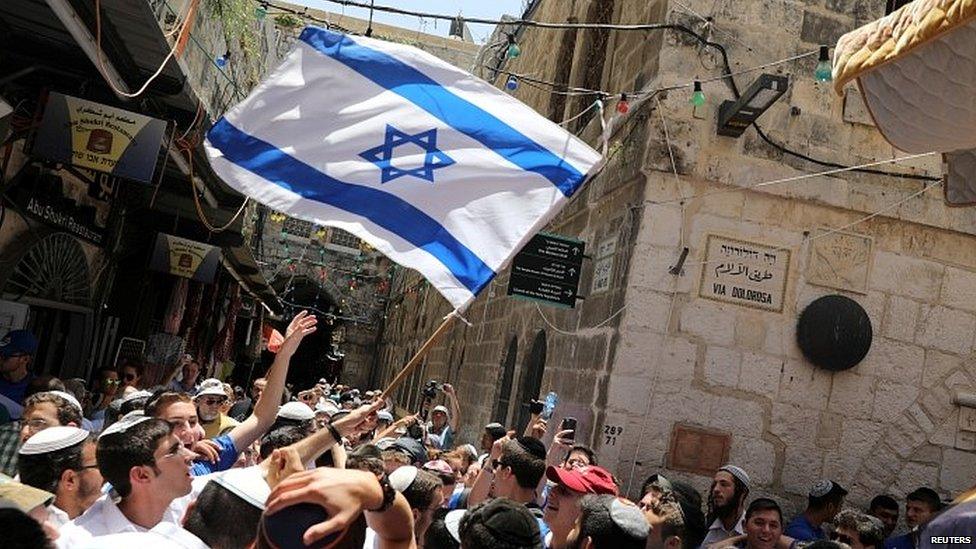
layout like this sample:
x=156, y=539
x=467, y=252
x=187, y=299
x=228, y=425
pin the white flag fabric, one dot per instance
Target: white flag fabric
x=436, y=169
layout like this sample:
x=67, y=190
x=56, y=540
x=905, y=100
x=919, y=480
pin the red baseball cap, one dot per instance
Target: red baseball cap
x=584, y=480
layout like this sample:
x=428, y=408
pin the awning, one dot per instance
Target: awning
x=916, y=69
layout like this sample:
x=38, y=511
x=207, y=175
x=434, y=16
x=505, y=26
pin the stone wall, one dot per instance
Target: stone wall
x=675, y=358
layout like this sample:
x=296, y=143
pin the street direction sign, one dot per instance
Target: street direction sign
x=548, y=269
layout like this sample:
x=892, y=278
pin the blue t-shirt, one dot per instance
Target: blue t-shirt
x=443, y=440
x=227, y=458
x=15, y=391
x=903, y=541
x=800, y=529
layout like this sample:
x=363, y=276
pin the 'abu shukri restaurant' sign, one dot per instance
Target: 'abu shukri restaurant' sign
x=744, y=273
x=99, y=137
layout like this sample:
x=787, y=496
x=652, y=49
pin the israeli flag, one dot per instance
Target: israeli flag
x=436, y=169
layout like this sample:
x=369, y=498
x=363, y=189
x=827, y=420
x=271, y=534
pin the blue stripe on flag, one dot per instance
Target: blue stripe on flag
x=465, y=117
x=382, y=208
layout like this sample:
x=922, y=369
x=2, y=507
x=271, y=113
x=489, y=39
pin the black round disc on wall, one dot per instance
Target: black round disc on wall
x=834, y=332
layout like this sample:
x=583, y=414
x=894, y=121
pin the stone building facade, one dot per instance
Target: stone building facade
x=668, y=372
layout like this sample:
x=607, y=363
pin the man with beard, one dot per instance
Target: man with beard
x=208, y=399
x=147, y=466
x=61, y=460
x=726, y=500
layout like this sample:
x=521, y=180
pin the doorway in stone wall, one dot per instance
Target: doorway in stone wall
x=501, y=411
x=532, y=370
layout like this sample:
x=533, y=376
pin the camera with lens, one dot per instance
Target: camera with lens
x=430, y=389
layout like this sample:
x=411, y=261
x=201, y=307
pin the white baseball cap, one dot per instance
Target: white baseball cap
x=211, y=386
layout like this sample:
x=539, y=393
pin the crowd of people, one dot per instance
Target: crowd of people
x=195, y=463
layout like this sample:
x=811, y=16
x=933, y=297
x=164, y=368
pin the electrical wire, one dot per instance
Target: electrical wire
x=791, y=179
x=101, y=61
x=577, y=332
x=592, y=106
x=196, y=200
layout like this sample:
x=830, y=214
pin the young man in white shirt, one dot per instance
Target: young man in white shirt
x=147, y=466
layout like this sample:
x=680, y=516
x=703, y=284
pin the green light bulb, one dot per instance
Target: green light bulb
x=514, y=50
x=260, y=12
x=823, y=72
x=698, y=96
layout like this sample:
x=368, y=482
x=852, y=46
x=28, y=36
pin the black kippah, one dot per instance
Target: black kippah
x=533, y=446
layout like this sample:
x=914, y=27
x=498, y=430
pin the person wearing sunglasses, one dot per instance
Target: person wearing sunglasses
x=106, y=389
x=858, y=530
x=17, y=350
x=132, y=371
x=61, y=460
x=209, y=400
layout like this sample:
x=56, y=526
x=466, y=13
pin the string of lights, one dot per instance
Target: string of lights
x=508, y=22
x=566, y=89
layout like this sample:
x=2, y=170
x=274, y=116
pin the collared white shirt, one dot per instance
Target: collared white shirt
x=101, y=519
x=717, y=531
x=164, y=535
x=57, y=517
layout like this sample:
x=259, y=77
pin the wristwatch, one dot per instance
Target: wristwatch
x=389, y=494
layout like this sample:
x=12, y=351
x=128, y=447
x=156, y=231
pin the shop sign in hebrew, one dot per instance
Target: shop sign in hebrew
x=840, y=260
x=745, y=273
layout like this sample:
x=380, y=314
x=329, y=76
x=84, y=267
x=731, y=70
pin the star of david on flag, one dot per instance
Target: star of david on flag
x=438, y=170
x=382, y=155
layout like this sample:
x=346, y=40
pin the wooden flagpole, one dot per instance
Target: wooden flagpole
x=419, y=355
